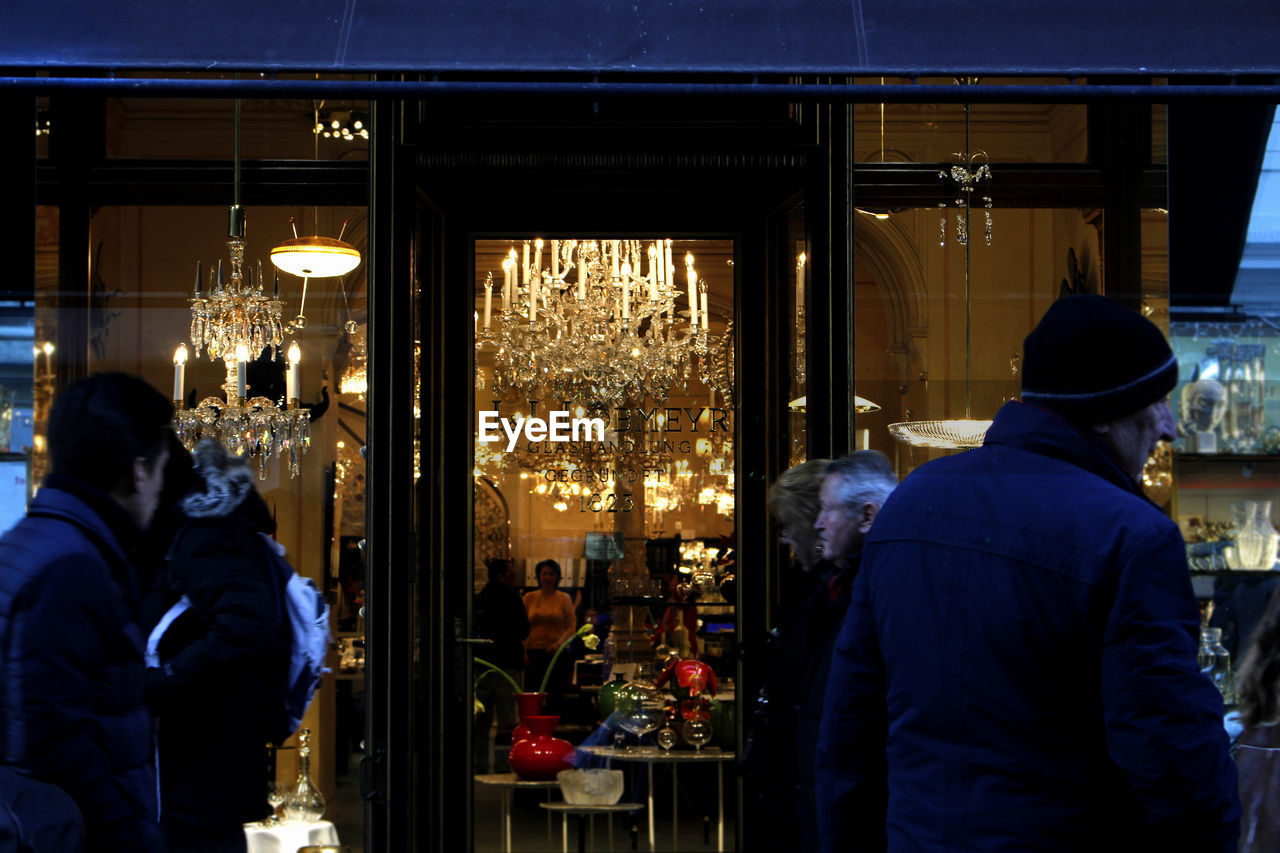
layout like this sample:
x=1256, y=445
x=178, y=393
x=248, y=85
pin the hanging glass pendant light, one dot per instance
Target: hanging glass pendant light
x=953, y=433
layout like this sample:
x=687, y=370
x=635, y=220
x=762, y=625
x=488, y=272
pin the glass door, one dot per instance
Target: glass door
x=604, y=626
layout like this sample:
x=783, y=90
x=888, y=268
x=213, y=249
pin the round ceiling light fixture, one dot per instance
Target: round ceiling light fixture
x=315, y=257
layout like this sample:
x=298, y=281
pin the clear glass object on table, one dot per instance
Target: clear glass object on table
x=277, y=793
x=305, y=802
x=698, y=732
x=639, y=708
x=667, y=738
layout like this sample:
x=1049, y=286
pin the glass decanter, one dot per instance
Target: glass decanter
x=1215, y=662
x=305, y=803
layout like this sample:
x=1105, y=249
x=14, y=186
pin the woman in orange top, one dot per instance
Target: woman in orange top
x=551, y=624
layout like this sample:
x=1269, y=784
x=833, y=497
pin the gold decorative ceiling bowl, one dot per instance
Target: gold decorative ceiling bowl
x=315, y=257
x=951, y=434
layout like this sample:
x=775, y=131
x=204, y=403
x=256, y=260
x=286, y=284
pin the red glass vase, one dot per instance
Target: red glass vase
x=541, y=755
x=527, y=705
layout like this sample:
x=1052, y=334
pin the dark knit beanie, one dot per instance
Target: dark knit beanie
x=1093, y=361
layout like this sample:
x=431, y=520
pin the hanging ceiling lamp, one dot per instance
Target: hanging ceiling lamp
x=316, y=257
x=954, y=433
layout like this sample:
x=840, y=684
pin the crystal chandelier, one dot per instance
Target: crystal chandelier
x=236, y=322
x=604, y=322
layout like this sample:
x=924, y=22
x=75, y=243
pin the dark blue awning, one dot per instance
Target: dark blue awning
x=891, y=37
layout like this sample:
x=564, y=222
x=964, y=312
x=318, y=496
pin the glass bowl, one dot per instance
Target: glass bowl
x=590, y=787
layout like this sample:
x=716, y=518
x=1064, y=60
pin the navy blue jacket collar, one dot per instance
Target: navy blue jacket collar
x=1045, y=432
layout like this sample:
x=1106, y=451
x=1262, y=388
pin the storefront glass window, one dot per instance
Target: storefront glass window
x=637, y=511
x=139, y=312
x=934, y=133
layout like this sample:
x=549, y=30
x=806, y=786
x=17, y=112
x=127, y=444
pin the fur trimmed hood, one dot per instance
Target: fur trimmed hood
x=223, y=481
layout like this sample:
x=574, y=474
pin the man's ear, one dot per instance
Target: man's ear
x=866, y=515
x=140, y=473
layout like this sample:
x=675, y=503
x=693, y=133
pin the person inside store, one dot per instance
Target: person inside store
x=71, y=646
x=212, y=688
x=825, y=509
x=499, y=615
x=551, y=624
x=1024, y=617
x=677, y=628
x=1257, y=749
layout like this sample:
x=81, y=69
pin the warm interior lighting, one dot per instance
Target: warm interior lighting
x=295, y=353
x=874, y=214
x=861, y=405
x=315, y=257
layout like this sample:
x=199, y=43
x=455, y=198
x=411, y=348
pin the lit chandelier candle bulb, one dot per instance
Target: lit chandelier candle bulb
x=488, y=300
x=294, y=378
x=508, y=273
x=667, y=265
x=653, y=273
x=693, y=290
x=179, y=372
x=537, y=259
x=242, y=364
x=533, y=300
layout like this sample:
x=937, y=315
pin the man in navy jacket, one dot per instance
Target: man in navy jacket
x=1021, y=646
x=71, y=651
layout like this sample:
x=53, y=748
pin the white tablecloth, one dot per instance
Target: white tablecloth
x=289, y=836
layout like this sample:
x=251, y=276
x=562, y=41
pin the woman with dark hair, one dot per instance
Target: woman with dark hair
x=552, y=623
x=210, y=681
x=1258, y=749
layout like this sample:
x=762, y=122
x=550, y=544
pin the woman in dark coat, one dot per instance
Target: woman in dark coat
x=213, y=687
x=1258, y=749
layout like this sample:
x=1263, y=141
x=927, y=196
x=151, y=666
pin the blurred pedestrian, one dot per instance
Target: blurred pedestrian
x=1022, y=640
x=1258, y=747
x=825, y=509
x=211, y=683
x=71, y=650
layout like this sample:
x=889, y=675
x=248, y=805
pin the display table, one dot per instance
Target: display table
x=675, y=758
x=508, y=782
x=582, y=813
x=288, y=836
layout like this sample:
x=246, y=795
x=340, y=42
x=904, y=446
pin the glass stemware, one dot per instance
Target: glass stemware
x=277, y=792
x=666, y=738
x=697, y=732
